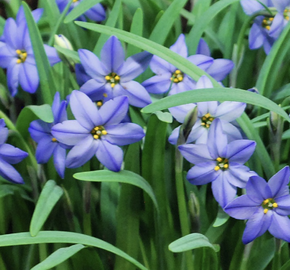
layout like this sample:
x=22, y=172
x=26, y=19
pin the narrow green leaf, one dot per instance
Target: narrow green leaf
x=121, y=177
x=175, y=59
x=111, y=21
x=49, y=196
x=221, y=218
x=30, y=113
x=68, y=53
x=164, y=116
x=52, y=12
x=203, y=21
x=58, y=257
x=25, y=238
x=80, y=9
x=272, y=63
x=191, y=241
x=43, y=67
x=218, y=94
x=164, y=25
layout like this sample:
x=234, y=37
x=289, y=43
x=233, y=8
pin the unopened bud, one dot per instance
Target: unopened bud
x=187, y=125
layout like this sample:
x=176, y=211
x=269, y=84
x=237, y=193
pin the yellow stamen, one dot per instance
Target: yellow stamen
x=203, y=124
x=180, y=79
x=107, y=77
x=113, y=85
x=18, y=51
x=275, y=205
x=207, y=115
x=18, y=61
x=177, y=71
x=99, y=103
x=216, y=168
x=266, y=211
x=96, y=136
x=219, y=159
x=226, y=166
x=117, y=78
x=271, y=19
x=266, y=201
x=105, y=95
x=104, y=132
x=175, y=80
x=54, y=140
x=96, y=128
x=268, y=27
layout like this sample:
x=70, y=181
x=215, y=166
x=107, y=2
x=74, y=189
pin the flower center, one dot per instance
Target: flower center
x=177, y=76
x=113, y=79
x=267, y=22
x=287, y=14
x=54, y=140
x=98, y=131
x=269, y=204
x=221, y=164
x=206, y=120
x=22, y=55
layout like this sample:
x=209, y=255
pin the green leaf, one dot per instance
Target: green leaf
x=111, y=21
x=191, y=241
x=58, y=257
x=49, y=196
x=121, y=177
x=218, y=94
x=80, y=9
x=30, y=113
x=147, y=45
x=221, y=218
x=165, y=23
x=203, y=21
x=43, y=67
x=25, y=238
x=164, y=116
x=68, y=53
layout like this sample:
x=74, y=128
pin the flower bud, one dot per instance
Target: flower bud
x=63, y=42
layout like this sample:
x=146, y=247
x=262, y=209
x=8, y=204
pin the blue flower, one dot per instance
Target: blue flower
x=96, y=13
x=97, y=131
x=40, y=132
x=112, y=76
x=226, y=111
x=219, y=162
x=169, y=78
x=266, y=206
x=9, y=155
x=16, y=54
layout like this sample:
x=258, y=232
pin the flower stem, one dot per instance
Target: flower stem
x=87, y=208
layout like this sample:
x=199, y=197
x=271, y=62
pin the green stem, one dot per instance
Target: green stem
x=277, y=258
x=87, y=208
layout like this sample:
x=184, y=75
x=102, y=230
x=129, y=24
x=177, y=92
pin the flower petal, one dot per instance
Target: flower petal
x=230, y=111
x=10, y=30
x=11, y=154
x=38, y=129
x=240, y=150
x=112, y=54
x=258, y=189
x=279, y=227
x=202, y=173
x=45, y=149
x=283, y=208
x=256, y=37
x=59, y=160
x=160, y=66
x=12, y=77
x=52, y=55
x=124, y=133
x=28, y=77
x=278, y=183
x=111, y=156
x=240, y=174
x=158, y=84
x=96, y=13
x=6, y=56
x=195, y=153
x=220, y=69
x=9, y=173
x=179, y=46
x=203, y=82
x=203, y=48
x=257, y=225
x=180, y=112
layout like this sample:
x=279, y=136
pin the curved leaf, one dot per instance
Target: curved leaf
x=219, y=94
x=15, y=239
x=191, y=241
x=121, y=177
x=58, y=257
x=49, y=196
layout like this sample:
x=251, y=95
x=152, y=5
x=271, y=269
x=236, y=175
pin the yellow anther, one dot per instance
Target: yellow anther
x=177, y=71
x=207, y=125
x=267, y=27
x=108, y=77
x=99, y=103
x=264, y=21
x=96, y=128
x=96, y=136
x=113, y=85
x=226, y=166
x=54, y=140
x=207, y=115
x=175, y=80
x=216, y=168
x=271, y=19
x=219, y=159
x=75, y=1
x=287, y=18
x=18, y=61
x=203, y=124
x=171, y=79
x=275, y=205
x=18, y=51
x=104, y=132
x=210, y=119
x=180, y=79
x=266, y=201
x=266, y=211
x=117, y=78
x=105, y=95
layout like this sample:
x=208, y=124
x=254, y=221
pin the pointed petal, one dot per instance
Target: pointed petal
x=200, y=60
x=9, y=173
x=38, y=129
x=59, y=160
x=180, y=46
x=111, y=156
x=203, y=82
x=229, y=110
x=256, y=37
x=195, y=153
x=160, y=66
x=112, y=54
x=250, y=7
x=241, y=208
x=180, y=112
x=203, y=48
x=3, y=131
x=223, y=191
x=202, y=173
x=283, y=205
x=174, y=136
x=84, y=110
x=134, y=66
x=11, y=154
x=158, y=84
x=220, y=69
x=97, y=13
x=94, y=90
x=45, y=149
x=92, y=65
x=258, y=189
x=136, y=93
x=13, y=77
x=279, y=227
x=232, y=132
x=59, y=109
x=240, y=174
x=10, y=30
x=6, y=56
x=240, y=150
x=114, y=111
x=82, y=152
x=278, y=183
x=52, y=55
x=28, y=77
x=257, y=225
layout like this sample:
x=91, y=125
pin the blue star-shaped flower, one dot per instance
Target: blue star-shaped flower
x=97, y=131
x=9, y=155
x=112, y=76
x=16, y=54
x=220, y=163
x=40, y=131
x=266, y=206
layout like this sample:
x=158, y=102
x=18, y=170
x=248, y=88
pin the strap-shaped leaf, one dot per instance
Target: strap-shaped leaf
x=49, y=196
x=58, y=257
x=121, y=177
